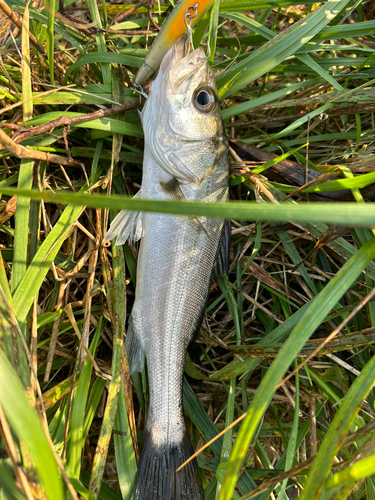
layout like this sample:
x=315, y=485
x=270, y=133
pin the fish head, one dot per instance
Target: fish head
x=183, y=97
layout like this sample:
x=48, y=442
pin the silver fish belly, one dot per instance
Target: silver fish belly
x=186, y=158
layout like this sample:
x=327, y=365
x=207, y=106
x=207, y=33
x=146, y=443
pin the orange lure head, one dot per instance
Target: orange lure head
x=185, y=12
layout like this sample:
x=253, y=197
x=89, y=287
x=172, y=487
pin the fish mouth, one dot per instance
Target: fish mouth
x=181, y=62
x=184, y=47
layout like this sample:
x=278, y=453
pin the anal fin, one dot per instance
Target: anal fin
x=134, y=349
x=222, y=260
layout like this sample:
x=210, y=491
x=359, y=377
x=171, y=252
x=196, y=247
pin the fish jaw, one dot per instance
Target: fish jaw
x=179, y=65
x=181, y=72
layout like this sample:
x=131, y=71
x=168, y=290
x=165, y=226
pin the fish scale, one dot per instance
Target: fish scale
x=185, y=158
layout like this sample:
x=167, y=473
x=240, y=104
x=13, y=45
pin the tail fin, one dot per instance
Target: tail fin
x=157, y=478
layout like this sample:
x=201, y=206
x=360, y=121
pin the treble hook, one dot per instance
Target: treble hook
x=187, y=20
x=139, y=89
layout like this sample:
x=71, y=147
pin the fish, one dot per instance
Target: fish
x=186, y=157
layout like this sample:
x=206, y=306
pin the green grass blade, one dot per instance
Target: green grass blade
x=25, y=423
x=293, y=438
x=104, y=124
x=4, y=285
x=200, y=29
x=344, y=214
x=100, y=39
x=240, y=5
x=126, y=464
x=118, y=302
x=311, y=63
x=357, y=182
x=212, y=34
x=76, y=423
x=108, y=420
x=79, y=488
x=50, y=36
x=27, y=105
x=227, y=291
x=95, y=395
x=104, y=58
x=21, y=233
x=271, y=163
x=350, y=475
x=10, y=338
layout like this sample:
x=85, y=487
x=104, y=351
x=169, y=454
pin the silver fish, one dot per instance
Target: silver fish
x=185, y=158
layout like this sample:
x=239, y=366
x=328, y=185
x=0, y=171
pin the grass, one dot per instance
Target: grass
x=284, y=357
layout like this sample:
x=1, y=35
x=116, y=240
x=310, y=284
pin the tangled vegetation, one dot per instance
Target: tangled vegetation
x=283, y=366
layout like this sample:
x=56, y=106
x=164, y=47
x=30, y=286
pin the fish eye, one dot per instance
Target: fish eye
x=204, y=99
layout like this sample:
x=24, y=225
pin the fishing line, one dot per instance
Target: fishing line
x=225, y=71
x=187, y=20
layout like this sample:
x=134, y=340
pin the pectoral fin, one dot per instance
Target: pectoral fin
x=173, y=187
x=126, y=225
